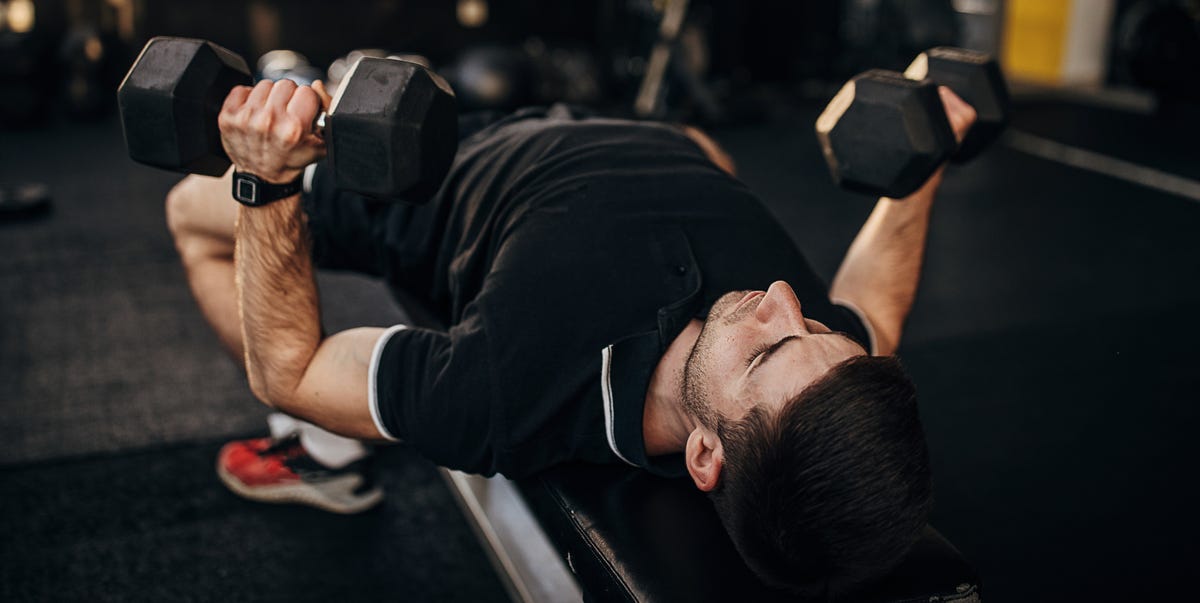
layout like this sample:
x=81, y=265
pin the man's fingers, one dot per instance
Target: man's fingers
x=281, y=95
x=319, y=87
x=304, y=106
x=236, y=98
x=259, y=94
x=958, y=112
x=304, y=103
x=953, y=103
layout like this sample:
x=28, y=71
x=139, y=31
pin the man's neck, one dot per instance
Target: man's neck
x=665, y=425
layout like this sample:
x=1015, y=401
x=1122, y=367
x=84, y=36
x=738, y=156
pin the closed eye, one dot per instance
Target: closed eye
x=770, y=349
x=758, y=351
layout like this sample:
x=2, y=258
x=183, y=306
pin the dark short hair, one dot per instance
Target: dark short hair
x=832, y=490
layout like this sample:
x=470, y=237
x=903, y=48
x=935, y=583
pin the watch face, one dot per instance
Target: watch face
x=246, y=190
x=249, y=190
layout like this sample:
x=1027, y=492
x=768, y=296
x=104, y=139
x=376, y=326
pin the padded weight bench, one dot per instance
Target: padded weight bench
x=616, y=533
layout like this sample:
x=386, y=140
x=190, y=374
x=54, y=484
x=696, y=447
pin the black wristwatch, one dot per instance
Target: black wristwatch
x=252, y=191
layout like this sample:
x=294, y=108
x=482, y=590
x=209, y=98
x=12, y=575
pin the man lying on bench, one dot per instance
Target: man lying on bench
x=613, y=294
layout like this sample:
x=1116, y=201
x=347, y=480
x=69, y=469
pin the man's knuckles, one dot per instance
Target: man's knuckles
x=289, y=132
x=259, y=122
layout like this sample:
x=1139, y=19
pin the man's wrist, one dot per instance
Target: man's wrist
x=284, y=177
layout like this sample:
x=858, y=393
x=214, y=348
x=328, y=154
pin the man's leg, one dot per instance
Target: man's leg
x=201, y=215
x=300, y=462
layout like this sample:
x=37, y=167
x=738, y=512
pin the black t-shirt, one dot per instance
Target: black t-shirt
x=565, y=254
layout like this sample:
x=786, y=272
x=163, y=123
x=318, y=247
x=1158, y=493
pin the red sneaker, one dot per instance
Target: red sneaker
x=280, y=471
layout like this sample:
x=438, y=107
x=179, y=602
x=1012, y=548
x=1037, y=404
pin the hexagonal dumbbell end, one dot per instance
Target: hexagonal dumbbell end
x=976, y=77
x=392, y=130
x=169, y=103
x=884, y=134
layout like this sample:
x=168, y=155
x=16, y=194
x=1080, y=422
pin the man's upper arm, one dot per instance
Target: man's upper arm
x=334, y=390
x=858, y=325
x=429, y=388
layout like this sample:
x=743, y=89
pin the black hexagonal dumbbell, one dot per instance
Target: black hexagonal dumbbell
x=885, y=133
x=391, y=130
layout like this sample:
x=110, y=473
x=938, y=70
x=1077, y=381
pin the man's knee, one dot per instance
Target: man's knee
x=177, y=210
x=201, y=218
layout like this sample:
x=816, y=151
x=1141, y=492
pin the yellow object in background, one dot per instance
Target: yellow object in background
x=1035, y=32
x=1057, y=41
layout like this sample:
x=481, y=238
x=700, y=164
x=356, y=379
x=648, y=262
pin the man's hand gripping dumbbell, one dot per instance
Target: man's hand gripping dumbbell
x=390, y=132
x=267, y=130
x=887, y=133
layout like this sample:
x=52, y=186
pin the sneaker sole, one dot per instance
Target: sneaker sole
x=307, y=494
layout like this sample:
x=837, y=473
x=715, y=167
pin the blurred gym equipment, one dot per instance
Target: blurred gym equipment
x=287, y=64
x=1157, y=46
x=85, y=57
x=492, y=77
x=24, y=201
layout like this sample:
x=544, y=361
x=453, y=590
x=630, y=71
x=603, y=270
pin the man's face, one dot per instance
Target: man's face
x=757, y=347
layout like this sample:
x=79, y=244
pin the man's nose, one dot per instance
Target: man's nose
x=781, y=305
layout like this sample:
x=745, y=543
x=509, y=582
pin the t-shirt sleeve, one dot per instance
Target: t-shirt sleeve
x=430, y=389
x=855, y=324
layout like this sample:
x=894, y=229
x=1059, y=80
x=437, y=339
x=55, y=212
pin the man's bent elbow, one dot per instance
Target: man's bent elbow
x=274, y=395
x=276, y=383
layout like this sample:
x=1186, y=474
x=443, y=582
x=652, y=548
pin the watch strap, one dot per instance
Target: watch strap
x=252, y=191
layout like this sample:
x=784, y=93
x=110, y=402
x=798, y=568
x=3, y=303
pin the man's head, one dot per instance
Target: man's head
x=811, y=450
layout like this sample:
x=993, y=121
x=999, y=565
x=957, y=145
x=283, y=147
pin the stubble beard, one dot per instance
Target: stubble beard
x=696, y=396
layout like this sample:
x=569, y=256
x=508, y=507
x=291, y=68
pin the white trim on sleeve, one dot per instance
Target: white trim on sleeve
x=309, y=172
x=606, y=393
x=862, y=316
x=372, y=392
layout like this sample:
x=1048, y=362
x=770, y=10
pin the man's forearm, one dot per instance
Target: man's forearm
x=277, y=298
x=881, y=270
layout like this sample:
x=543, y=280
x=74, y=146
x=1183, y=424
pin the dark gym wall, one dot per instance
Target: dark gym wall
x=321, y=30
x=324, y=30
x=766, y=39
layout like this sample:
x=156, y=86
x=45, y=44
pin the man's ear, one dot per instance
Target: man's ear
x=704, y=458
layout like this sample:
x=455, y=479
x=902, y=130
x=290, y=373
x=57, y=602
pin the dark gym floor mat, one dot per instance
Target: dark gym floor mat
x=1064, y=453
x=158, y=526
x=101, y=348
x=1164, y=141
x=104, y=351
x=1017, y=240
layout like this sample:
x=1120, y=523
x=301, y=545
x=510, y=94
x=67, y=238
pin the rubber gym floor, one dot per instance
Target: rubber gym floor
x=1054, y=342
